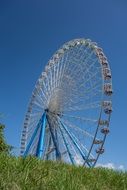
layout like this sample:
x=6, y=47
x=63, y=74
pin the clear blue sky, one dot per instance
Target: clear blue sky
x=30, y=32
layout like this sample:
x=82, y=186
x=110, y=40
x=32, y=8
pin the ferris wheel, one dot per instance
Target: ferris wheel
x=69, y=111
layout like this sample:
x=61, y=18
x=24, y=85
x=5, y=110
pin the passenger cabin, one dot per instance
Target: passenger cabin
x=103, y=122
x=107, y=105
x=107, y=73
x=105, y=130
x=101, y=54
x=100, y=151
x=96, y=141
x=22, y=143
x=108, y=89
x=23, y=139
x=108, y=110
x=104, y=63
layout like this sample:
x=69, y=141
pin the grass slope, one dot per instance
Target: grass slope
x=34, y=174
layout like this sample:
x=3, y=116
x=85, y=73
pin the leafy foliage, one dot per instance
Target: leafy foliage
x=3, y=146
x=34, y=174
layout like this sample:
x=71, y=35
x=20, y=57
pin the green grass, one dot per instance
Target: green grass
x=34, y=174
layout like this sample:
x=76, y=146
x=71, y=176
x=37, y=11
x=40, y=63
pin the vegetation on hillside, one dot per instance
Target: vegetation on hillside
x=4, y=147
x=33, y=174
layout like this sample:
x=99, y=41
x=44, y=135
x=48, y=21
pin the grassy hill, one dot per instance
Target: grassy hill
x=34, y=174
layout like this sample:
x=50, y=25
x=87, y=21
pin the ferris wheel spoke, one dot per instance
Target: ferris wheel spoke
x=36, y=108
x=80, y=118
x=79, y=142
x=49, y=81
x=74, y=58
x=97, y=87
x=89, y=78
x=39, y=99
x=57, y=74
x=90, y=91
x=35, y=114
x=87, y=96
x=86, y=70
x=84, y=99
x=94, y=61
x=83, y=70
x=83, y=131
x=83, y=107
x=34, y=118
x=44, y=95
x=86, y=66
x=71, y=103
x=82, y=85
x=54, y=71
x=62, y=69
x=45, y=90
x=38, y=104
x=38, y=96
x=66, y=65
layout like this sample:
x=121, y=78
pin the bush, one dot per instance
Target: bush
x=4, y=147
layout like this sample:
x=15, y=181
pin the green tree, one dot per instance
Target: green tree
x=4, y=147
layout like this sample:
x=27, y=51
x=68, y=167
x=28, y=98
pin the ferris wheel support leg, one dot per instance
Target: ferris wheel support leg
x=66, y=144
x=41, y=137
x=56, y=137
x=58, y=154
x=49, y=145
x=74, y=142
x=31, y=140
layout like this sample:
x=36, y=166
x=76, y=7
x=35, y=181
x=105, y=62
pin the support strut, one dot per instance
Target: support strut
x=66, y=144
x=40, y=147
x=58, y=154
x=74, y=142
x=41, y=124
